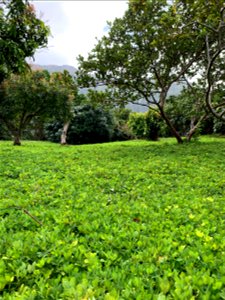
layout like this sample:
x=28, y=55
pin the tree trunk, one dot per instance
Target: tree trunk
x=16, y=139
x=192, y=130
x=170, y=125
x=194, y=127
x=190, y=134
x=13, y=130
x=64, y=133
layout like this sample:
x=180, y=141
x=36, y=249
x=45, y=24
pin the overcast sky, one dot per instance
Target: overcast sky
x=74, y=27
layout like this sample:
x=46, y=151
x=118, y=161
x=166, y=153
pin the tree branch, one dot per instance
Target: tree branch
x=24, y=211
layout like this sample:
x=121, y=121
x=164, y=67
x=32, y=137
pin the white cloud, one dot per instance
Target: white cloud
x=75, y=26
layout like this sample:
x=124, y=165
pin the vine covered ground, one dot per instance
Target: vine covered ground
x=124, y=220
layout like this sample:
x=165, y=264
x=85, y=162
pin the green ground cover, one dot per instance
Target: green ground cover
x=130, y=220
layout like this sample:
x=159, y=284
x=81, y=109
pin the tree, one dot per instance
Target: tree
x=143, y=55
x=66, y=92
x=207, y=19
x=35, y=94
x=21, y=34
x=148, y=50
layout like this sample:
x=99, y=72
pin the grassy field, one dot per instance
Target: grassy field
x=132, y=220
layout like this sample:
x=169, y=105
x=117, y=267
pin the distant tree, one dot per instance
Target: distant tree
x=66, y=93
x=21, y=34
x=35, y=94
x=108, y=101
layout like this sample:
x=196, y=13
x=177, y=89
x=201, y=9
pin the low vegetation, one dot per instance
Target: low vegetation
x=123, y=220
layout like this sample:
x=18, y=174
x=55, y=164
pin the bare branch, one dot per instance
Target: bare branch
x=24, y=211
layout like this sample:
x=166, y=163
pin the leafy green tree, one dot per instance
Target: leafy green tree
x=98, y=98
x=66, y=96
x=21, y=34
x=144, y=53
x=153, y=46
x=207, y=20
x=35, y=94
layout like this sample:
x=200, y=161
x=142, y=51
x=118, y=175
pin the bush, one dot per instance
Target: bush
x=121, y=115
x=137, y=124
x=89, y=125
x=153, y=125
x=121, y=131
x=145, y=125
x=218, y=126
x=53, y=131
x=4, y=134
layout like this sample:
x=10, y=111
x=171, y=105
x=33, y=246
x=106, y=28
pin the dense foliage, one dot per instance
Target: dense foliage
x=145, y=125
x=131, y=220
x=35, y=94
x=156, y=44
x=88, y=125
x=137, y=124
x=21, y=34
x=188, y=111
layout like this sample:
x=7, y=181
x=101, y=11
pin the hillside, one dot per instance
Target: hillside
x=54, y=68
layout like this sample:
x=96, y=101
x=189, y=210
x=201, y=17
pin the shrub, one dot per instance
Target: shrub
x=121, y=131
x=145, y=125
x=53, y=131
x=137, y=124
x=218, y=126
x=89, y=125
x=4, y=134
x=153, y=125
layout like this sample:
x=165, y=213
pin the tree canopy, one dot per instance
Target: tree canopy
x=154, y=45
x=35, y=94
x=21, y=34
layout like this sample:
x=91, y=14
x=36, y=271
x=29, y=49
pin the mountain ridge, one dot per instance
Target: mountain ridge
x=54, y=68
